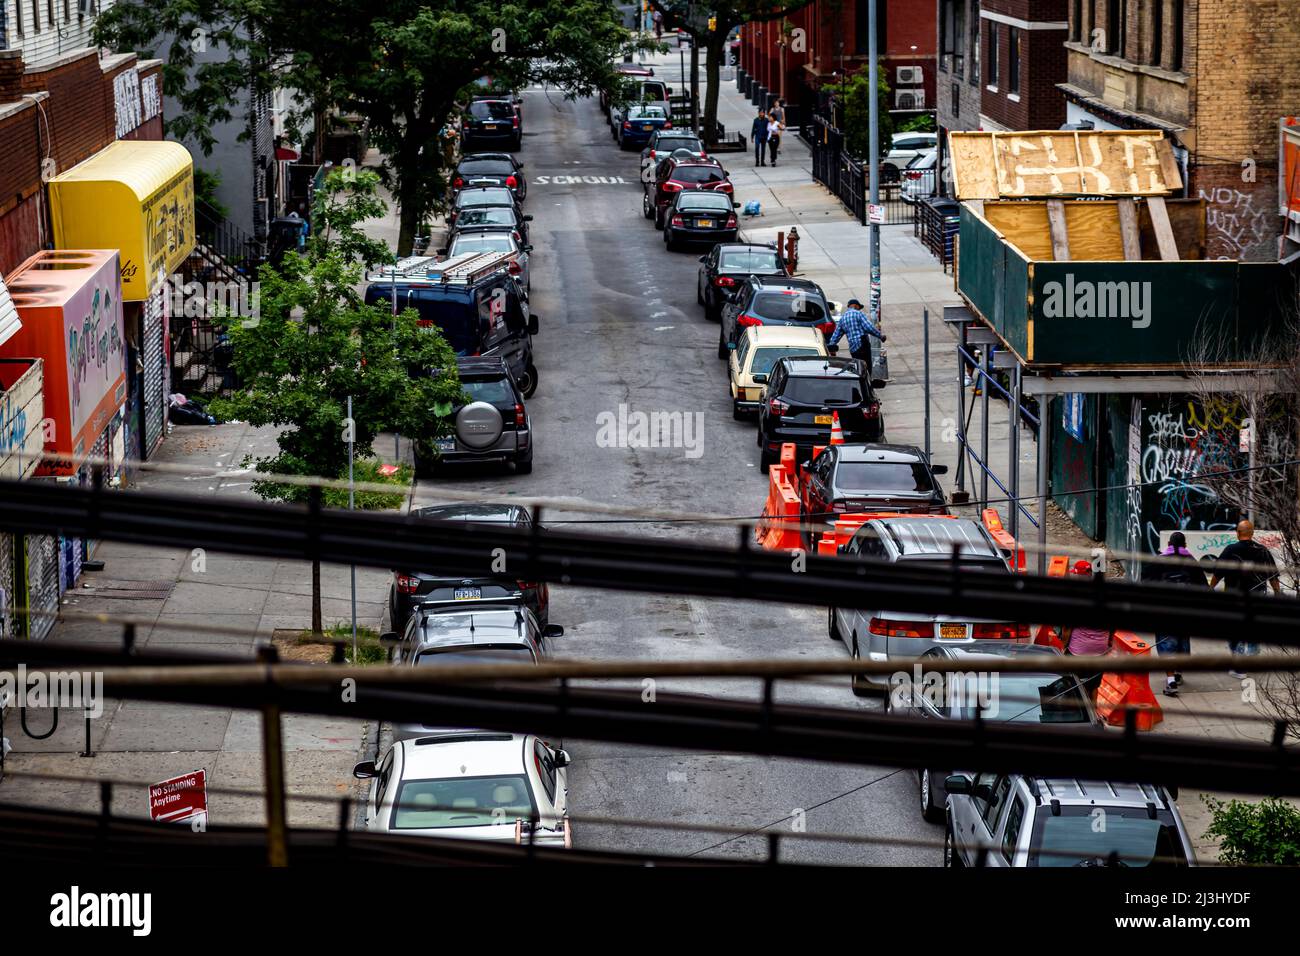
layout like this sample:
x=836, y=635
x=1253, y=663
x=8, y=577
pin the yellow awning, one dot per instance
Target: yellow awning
x=134, y=196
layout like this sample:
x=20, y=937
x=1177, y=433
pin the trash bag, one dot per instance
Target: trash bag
x=752, y=208
x=184, y=411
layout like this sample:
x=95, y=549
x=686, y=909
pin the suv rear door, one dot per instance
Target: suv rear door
x=813, y=401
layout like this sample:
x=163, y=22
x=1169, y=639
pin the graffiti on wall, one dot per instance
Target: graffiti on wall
x=1239, y=225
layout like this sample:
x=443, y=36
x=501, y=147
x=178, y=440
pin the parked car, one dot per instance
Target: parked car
x=805, y=394
x=757, y=351
x=920, y=178
x=632, y=71
x=854, y=479
x=490, y=238
x=492, y=426
x=633, y=90
x=664, y=143
x=640, y=122
x=490, y=169
x=491, y=122
x=474, y=785
x=491, y=217
x=410, y=588
x=1016, y=697
x=480, y=307
x=773, y=300
x=483, y=197
x=725, y=267
x=1037, y=821
x=903, y=148
x=674, y=175
x=697, y=215
x=882, y=634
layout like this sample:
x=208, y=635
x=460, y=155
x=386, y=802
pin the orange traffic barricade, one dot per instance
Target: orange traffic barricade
x=1121, y=693
x=778, y=526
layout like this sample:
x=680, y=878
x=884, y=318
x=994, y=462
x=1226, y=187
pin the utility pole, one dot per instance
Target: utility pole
x=873, y=63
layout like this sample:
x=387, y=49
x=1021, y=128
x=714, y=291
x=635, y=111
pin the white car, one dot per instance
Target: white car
x=920, y=178
x=471, y=785
x=903, y=148
x=495, y=239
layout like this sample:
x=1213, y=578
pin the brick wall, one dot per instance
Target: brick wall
x=80, y=117
x=1038, y=104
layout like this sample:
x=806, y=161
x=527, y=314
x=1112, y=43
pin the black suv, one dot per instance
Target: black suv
x=726, y=268
x=492, y=426
x=491, y=122
x=773, y=300
x=803, y=396
x=412, y=588
x=490, y=169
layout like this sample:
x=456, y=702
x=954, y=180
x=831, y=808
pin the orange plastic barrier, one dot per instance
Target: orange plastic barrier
x=778, y=526
x=847, y=526
x=1120, y=693
x=993, y=524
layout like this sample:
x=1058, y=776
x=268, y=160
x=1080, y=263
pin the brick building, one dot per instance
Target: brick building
x=1215, y=75
x=957, y=84
x=1024, y=61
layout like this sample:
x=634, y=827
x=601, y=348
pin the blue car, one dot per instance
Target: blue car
x=640, y=122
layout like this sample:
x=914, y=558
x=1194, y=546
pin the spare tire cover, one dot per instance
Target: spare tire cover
x=478, y=425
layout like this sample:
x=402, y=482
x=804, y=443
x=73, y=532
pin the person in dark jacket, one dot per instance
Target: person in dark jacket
x=758, y=133
x=1177, y=566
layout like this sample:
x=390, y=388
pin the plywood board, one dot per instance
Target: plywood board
x=1093, y=228
x=1163, y=231
x=1128, y=229
x=1024, y=225
x=1057, y=229
x=1050, y=163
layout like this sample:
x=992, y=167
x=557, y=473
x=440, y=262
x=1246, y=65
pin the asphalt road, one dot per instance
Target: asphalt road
x=620, y=326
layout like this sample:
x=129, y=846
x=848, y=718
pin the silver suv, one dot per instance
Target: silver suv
x=1003, y=820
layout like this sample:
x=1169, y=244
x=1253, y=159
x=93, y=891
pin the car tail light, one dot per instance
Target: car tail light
x=525, y=585
x=826, y=328
x=458, y=182
x=516, y=121
x=407, y=584
x=872, y=410
x=912, y=174
x=520, y=419
x=731, y=221
x=725, y=282
x=627, y=124
x=723, y=187
x=1001, y=631
x=512, y=182
x=668, y=124
x=884, y=627
x=672, y=187
x=516, y=269
x=678, y=221
x=746, y=319
x=518, y=238
x=777, y=407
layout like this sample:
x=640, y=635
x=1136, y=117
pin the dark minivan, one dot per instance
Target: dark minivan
x=804, y=396
x=480, y=308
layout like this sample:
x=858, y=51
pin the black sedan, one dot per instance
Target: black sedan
x=725, y=268
x=412, y=588
x=700, y=216
x=490, y=169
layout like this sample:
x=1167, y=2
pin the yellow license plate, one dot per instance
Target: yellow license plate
x=648, y=127
x=704, y=223
x=952, y=631
x=822, y=419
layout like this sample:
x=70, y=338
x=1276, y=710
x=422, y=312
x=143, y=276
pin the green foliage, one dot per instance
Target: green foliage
x=1255, y=834
x=366, y=471
x=857, y=115
x=205, y=191
x=920, y=123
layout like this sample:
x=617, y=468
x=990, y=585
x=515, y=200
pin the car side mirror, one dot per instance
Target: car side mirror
x=528, y=218
x=760, y=378
x=533, y=324
x=939, y=469
x=704, y=258
x=958, y=783
x=528, y=248
x=552, y=630
x=735, y=205
x=365, y=770
x=390, y=639
x=878, y=383
x=562, y=759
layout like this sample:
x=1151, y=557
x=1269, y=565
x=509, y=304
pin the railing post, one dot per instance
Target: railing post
x=277, y=844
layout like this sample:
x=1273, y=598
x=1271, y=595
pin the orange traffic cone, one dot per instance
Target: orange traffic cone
x=837, y=433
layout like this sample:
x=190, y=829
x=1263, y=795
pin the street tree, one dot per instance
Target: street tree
x=315, y=344
x=404, y=66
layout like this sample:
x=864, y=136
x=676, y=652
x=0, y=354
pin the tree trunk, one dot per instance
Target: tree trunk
x=712, y=62
x=317, y=626
x=409, y=212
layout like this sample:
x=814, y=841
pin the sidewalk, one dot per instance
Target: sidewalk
x=833, y=251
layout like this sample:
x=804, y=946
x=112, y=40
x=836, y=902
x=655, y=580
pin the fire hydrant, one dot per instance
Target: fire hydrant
x=792, y=250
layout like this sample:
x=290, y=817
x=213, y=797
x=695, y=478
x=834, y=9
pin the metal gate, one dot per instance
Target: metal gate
x=153, y=355
x=41, y=567
x=8, y=586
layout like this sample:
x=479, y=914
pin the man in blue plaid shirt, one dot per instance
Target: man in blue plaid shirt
x=855, y=326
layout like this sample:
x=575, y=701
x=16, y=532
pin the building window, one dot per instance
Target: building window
x=992, y=57
x=948, y=37
x=1076, y=20
x=975, y=44
x=956, y=100
x=958, y=38
x=18, y=11
x=49, y=11
x=1157, y=32
x=1013, y=60
x=1116, y=26
x=67, y=10
x=36, y=17
x=1176, y=61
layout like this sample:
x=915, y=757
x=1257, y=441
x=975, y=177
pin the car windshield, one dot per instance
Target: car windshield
x=924, y=160
x=647, y=113
x=757, y=260
x=487, y=216
x=765, y=358
x=666, y=144
x=794, y=306
x=486, y=167
x=1032, y=699
x=486, y=197
x=1074, y=839
x=495, y=391
x=713, y=202
x=475, y=655
x=491, y=109
x=697, y=174
x=490, y=242
x=461, y=802
x=901, y=476
x=823, y=391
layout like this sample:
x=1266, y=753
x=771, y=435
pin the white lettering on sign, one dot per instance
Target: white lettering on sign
x=150, y=100
x=126, y=100
x=578, y=180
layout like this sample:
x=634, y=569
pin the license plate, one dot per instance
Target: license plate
x=489, y=125
x=952, y=631
x=704, y=223
x=822, y=420
x=468, y=594
x=446, y=444
x=647, y=127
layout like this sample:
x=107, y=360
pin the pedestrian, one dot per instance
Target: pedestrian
x=1179, y=567
x=758, y=133
x=659, y=25
x=854, y=325
x=1083, y=641
x=1247, y=567
x=773, y=138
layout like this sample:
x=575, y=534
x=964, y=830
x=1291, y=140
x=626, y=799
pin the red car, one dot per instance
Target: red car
x=673, y=176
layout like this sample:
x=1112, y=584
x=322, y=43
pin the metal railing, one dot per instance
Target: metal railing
x=848, y=178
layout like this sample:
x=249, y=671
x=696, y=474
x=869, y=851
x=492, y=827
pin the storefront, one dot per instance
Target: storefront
x=69, y=302
x=137, y=197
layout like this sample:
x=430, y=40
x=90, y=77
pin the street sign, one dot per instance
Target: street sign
x=875, y=214
x=179, y=798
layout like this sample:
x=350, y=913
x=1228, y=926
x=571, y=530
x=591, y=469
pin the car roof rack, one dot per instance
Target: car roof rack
x=465, y=269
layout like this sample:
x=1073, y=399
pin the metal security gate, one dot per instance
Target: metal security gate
x=41, y=566
x=8, y=586
x=153, y=355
